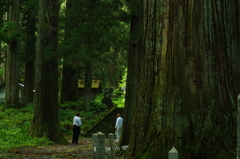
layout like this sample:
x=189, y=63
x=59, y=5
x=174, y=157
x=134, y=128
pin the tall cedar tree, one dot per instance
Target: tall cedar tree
x=69, y=84
x=12, y=69
x=102, y=42
x=189, y=80
x=100, y=29
x=30, y=52
x=45, y=119
x=90, y=39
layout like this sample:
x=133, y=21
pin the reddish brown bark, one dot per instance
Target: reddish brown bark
x=45, y=121
x=188, y=80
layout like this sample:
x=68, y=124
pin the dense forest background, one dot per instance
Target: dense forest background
x=54, y=52
x=181, y=59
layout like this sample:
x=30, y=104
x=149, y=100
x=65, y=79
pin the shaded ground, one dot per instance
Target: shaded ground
x=83, y=150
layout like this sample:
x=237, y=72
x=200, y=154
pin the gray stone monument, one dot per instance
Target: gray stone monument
x=238, y=127
x=173, y=154
x=111, y=145
x=94, y=145
x=100, y=146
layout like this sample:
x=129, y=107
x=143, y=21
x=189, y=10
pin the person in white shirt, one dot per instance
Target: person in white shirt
x=118, y=127
x=76, y=128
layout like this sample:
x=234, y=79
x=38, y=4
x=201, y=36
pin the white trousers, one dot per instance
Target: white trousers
x=118, y=133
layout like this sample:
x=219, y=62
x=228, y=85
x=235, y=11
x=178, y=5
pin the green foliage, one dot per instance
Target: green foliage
x=96, y=107
x=14, y=128
x=100, y=36
x=9, y=32
x=71, y=105
x=124, y=79
x=119, y=101
x=118, y=95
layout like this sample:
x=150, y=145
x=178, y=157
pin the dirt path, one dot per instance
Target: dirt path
x=83, y=150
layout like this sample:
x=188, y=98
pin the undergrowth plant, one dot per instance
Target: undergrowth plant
x=14, y=128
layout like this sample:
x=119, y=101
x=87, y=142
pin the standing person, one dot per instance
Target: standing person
x=76, y=128
x=118, y=127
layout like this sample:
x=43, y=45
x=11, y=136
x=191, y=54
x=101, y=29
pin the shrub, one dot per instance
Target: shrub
x=97, y=107
x=71, y=105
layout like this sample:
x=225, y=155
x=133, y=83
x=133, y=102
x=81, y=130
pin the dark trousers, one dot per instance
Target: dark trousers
x=76, y=133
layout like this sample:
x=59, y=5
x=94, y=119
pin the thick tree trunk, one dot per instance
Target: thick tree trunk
x=12, y=69
x=30, y=52
x=189, y=80
x=87, y=96
x=69, y=85
x=133, y=73
x=45, y=120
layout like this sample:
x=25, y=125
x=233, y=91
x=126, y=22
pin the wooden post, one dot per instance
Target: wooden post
x=94, y=146
x=111, y=145
x=238, y=127
x=100, y=146
x=173, y=154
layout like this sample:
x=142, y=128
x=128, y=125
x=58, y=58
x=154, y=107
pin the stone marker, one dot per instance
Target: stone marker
x=111, y=145
x=173, y=154
x=100, y=146
x=94, y=144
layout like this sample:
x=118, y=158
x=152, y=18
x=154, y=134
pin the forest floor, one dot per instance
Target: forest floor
x=83, y=150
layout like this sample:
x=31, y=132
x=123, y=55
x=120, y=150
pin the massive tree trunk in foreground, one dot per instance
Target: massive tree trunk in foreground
x=12, y=69
x=189, y=80
x=45, y=120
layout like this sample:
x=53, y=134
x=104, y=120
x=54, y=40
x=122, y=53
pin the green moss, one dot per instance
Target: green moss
x=149, y=153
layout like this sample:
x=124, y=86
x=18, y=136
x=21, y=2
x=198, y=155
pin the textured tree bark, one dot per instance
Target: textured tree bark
x=45, y=119
x=30, y=52
x=88, y=61
x=133, y=73
x=69, y=85
x=188, y=80
x=12, y=69
x=87, y=96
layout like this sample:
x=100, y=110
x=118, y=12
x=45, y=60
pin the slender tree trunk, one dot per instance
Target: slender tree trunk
x=189, y=80
x=30, y=52
x=69, y=85
x=87, y=96
x=45, y=119
x=133, y=73
x=12, y=69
